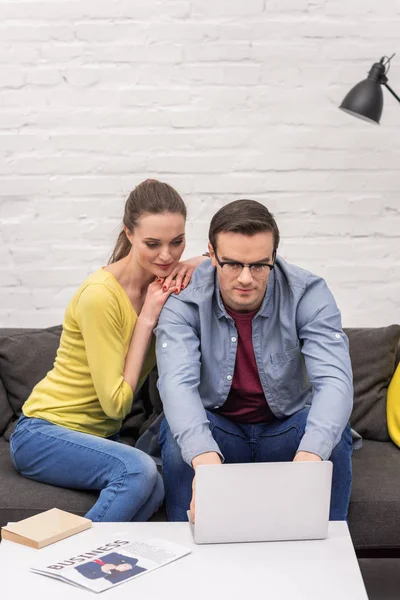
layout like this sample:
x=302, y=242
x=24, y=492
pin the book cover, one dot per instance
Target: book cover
x=45, y=528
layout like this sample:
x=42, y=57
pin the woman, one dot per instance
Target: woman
x=68, y=433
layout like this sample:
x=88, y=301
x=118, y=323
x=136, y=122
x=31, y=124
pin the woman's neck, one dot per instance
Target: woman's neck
x=131, y=276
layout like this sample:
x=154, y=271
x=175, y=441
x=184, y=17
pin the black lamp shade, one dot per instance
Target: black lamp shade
x=365, y=101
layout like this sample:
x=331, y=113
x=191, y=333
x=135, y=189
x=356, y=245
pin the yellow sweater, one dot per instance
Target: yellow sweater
x=86, y=390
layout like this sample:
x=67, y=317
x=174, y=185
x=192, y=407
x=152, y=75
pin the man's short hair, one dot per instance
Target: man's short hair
x=247, y=217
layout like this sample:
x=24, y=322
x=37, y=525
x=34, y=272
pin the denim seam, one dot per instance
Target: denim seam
x=213, y=426
x=113, y=498
x=12, y=452
x=292, y=426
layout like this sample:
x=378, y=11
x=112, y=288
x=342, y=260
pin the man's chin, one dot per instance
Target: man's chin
x=244, y=300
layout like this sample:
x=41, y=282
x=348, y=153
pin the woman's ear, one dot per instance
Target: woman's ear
x=128, y=234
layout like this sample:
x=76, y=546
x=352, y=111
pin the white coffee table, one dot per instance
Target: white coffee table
x=326, y=569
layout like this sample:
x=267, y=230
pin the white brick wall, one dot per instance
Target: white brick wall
x=221, y=98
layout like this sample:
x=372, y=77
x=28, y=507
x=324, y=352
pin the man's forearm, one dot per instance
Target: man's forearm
x=193, y=440
x=329, y=414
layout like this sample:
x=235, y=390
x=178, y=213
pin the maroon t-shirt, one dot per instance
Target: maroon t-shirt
x=246, y=402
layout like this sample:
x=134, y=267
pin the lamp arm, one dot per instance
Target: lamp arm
x=391, y=91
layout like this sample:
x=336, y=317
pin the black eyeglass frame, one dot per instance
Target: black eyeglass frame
x=243, y=265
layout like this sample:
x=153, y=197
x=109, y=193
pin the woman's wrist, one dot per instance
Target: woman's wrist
x=147, y=321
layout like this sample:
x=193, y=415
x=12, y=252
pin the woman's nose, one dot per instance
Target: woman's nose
x=164, y=255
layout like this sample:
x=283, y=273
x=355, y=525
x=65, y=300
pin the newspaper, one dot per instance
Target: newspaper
x=113, y=563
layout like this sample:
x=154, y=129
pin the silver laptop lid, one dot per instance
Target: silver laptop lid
x=262, y=501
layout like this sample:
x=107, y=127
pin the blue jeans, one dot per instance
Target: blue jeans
x=241, y=443
x=131, y=489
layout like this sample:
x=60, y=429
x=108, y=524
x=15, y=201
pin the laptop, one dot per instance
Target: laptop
x=260, y=502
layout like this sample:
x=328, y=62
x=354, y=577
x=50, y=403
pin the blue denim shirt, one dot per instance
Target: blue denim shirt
x=301, y=352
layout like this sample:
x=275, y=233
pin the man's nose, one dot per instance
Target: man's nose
x=245, y=276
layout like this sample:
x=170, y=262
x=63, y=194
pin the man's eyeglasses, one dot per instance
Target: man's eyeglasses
x=257, y=270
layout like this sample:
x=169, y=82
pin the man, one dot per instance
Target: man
x=253, y=363
x=114, y=567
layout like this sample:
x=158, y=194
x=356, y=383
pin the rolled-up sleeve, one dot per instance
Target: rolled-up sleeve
x=326, y=352
x=179, y=365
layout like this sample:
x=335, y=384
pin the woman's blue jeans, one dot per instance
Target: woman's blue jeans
x=131, y=489
x=244, y=443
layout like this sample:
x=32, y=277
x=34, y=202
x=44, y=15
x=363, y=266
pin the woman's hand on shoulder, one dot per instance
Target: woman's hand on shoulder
x=156, y=296
x=160, y=289
x=181, y=275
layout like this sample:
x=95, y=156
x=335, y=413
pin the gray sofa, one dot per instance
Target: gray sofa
x=374, y=518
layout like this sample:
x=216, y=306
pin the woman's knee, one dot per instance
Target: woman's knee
x=143, y=471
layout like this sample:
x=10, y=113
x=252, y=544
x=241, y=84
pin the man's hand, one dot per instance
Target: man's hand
x=208, y=458
x=306, y=456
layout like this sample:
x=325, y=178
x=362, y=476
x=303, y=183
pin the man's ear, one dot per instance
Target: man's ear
x=212, y=254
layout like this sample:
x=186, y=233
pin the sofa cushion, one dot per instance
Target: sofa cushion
x=373, y=357
x=25, y=358
x=374, y=513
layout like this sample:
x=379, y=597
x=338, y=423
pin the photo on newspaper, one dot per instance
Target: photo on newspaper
x=113, y=563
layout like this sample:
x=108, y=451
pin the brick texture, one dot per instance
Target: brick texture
x=221, y=98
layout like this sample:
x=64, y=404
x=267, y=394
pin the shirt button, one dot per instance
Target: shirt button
x=229, y=377
x=337, y=335
x=164, y=345
x=233, y=339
